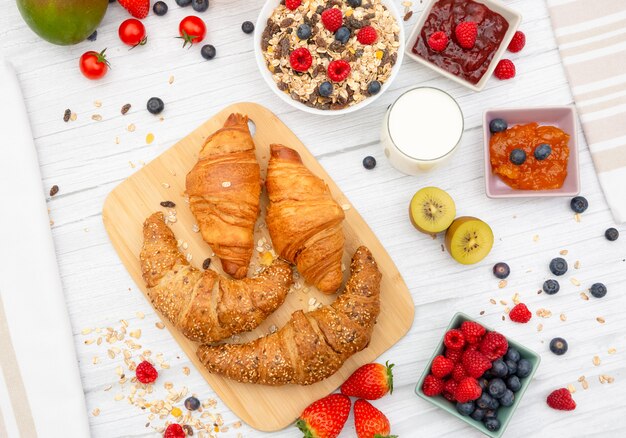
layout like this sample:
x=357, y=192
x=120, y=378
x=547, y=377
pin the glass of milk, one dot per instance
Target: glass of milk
x=421, y=129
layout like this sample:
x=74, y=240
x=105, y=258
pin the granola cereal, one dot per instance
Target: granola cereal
x=368, y=63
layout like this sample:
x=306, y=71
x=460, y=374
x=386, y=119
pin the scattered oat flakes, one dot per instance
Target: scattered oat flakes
x=73, y=117
x=160, y=325
x=596, y=360
x=96, y=117
x=539, y=327
x=574, y=281
x=186, y=371
x=577, y=264
x=95, y=412
x=131, y=127
x=117, y=140
x=189, y=257
x=585, y=384
x=195, y=228
x=544, y=313
x=563, y=317
x=612, y=350
x=135, y=334
x=226, y=184
x=563, y=252
x=571, y=388
x=502, y=284
x=119, y=397
x=600, y=320
x=86, y=331
x=536, y=237
x=503, y=302
x=171, y=79
x=149, y=138
x=516, y=299
x=584, y=296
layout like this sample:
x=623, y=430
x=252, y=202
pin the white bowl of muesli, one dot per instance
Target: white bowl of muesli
x=329, y=56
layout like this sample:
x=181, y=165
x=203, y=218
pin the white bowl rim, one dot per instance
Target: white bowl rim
x=264, y=14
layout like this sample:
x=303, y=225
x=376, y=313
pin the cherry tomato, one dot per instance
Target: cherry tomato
x=132, y=32
x=93, y=65
x=192, y=30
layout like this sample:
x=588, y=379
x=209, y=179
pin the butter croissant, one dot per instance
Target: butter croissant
x=311, y=346
x=203, y=305
x=304, y=221
x=224, y=189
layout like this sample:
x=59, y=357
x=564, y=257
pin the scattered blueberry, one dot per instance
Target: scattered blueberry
x=558, y=346
x=497, y=388
x=484, y=401
x=354, y=3
x=507, y=398
x=478, y=414
x=551, y=287
x=304, y=31
x=501, y=270
x=558, y=266
x=598, y=290
x=523, y=368
x=465, y=409
x=517, y=157
x=543, y=151
x=483, y=383
x=342, y=35
x=611, y=234
x=497, y=125
x=325, y=89
x=512, y=354
x=513, y=383
x=487, y=376
x=183, y=2
x=369, y=162
x=579, y=204
x=200, y=5
x=247, y=27
x=499, y=368
x=208, y=51
x=373, y=87
x=492, y=424
x=490, y=413
x=93, y=36
x=160, y=8
x=192, y=403
x=155, y=105
x=512, y=366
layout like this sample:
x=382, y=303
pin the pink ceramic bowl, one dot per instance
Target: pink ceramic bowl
x=563, y=117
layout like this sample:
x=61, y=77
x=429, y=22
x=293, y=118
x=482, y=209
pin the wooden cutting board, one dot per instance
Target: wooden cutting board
x=129, y=204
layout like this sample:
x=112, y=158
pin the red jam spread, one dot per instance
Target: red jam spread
x=533, y=174
x=469, y=64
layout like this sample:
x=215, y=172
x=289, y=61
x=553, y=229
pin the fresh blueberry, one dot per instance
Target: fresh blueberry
x=155, y=105
x=304, y=31
x=558, y=346
x=497, y=125
x=490, y=413
x=512, y=366
x=478, y=414
x=517, y=156
x=543, y=151
x=192, y=403
x=484, y=401
x=373, y=87
x=579, y=204
x=512, y=354
x=93, y=36
x=514, y=384
x=611, y=234
x=507, y=398
x=325, y=89
x=369, y=162
x=483, y=383
x=551, y=287
x=465, y=409
x=523, y=368
x=499, y=368
x=342, y=35
x=354, y=3
x=200, y=5
x=497, y=388
x=501, y=270
x=488, y=375
x=208, y=51
x=598, y=290
x=558, y=266
x=160, y=8
x=247, y=27
x=492, y=424
x=183, y=3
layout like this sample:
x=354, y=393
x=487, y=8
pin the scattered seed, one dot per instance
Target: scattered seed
x=596, y=360
x=95, y=360
x=96, y=117
x=502, y=284
x=195, y=228
x=544, y=313
x=168, y=204
x=507, y=310
x=571, y=388
x=600, y=320
x=516, y=299
x=563, y=317
x=226, y=184
x=73, y=117
x=117, y=140
x=492, y=301
x=188, y=430
x=95, y=412
x=539, y=327
x=408, y=16
x=612, y=350
x=54, y=190
x=206, y=263
x=536, y=237
x=577, y=264
x=135, y=334
x=119, y=397
x=584, y=296
x=581, y=378
x=66, y=115
x=563, y=252
x=503, y=318
x=574, y=281
x=503, y=302
x=186, y=371
x=577, y=217
x=131, y=127
x=585, y=384
x=171, y=80
x=482, y=312
x=149, y=138
x=86, y=331
x=125, y=108
x=189, y=257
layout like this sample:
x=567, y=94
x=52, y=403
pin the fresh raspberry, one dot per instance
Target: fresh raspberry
x=332, y=19
x=454, y=355
x=367, y=35
x=466, y=33
x=505, y=70
x=493, y=346
x=146, y=373
x=432, y=386
x=441, y=366
x=468, y=389
x=562, y=400
x=449, y=388
x=472, y=331
x=458, y=372
x=454, y=339
x=438, y=41
x=338, y=70
x=174, y=431
x=292, y=5
x=520, y=313
x=518, y=42
x=301, y=59
x=475, y=363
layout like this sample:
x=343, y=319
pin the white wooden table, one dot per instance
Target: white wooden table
x=84, y=160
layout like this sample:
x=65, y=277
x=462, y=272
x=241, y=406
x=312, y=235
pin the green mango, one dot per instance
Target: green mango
x=63, y=22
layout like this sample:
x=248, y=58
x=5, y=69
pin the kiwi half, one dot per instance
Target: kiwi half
x=432, y=210
x=469, y=240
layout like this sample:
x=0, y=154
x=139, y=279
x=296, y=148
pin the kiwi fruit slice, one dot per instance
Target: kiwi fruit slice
x=469, y=240
x=432, y=210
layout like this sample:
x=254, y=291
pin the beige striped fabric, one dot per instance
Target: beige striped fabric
x=591, y=35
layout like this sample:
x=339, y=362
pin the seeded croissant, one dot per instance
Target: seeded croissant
x=203, y=305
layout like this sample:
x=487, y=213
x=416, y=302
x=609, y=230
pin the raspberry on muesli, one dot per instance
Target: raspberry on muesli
x=367, y=62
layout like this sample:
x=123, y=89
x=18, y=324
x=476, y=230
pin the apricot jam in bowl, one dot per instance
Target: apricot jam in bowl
x=531, y=152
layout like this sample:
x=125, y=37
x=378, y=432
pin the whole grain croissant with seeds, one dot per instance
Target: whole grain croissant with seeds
x=224, y=189
x=304, y=221
x=311, y=346
x=203, y=305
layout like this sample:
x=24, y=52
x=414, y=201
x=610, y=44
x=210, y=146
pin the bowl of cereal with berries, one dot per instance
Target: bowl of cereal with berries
x=329, y=56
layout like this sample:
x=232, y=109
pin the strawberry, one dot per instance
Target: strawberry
x=367, y=35
x=325, y=418
x=472, y=331
x=146, y=373
x=441, y=366
x=332, y=19
x=468, y=389
x=520, y=313
x=174, y=431
x=438, y=41
x=518, y=42
x=458, y=373
x=493, y=346
x=369, y=422
x=466, y=33
x=454, y=339
x=454, y=355
x=432, y=385
x=449, y=388
x=561, y=399
x=505, y=70
x=475, y=364
x=292, y=5
x=137, y=8
x=371, y=381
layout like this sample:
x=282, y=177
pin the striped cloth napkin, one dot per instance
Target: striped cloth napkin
x=591, y=35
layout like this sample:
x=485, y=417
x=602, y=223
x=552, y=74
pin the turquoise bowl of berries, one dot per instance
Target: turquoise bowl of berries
x=485, y=371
